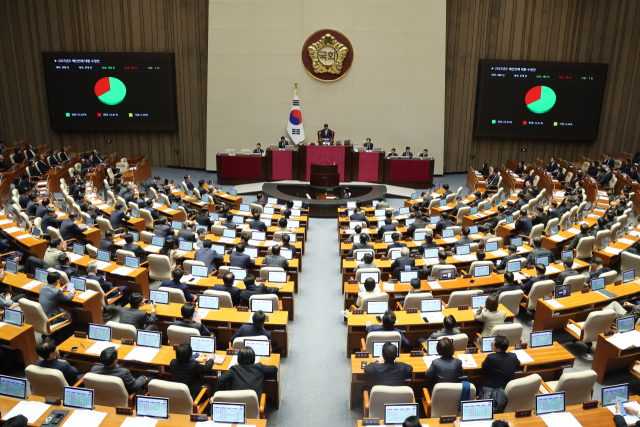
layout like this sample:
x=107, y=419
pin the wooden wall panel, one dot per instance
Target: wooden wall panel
x=541, y=30
x=28, y=27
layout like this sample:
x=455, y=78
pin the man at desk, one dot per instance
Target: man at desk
x=92, y=270
x=386, y=371
x=598, y=269
x=326, y=134
x=407, y=153
x=48, y=351
x=247, y=374
x=187, y=370
x=424, y=154
x=50, y=298
x=368, y=145
x=359, y=215
x=282, y=143
x=258, y=149
x=509, y=285
x=388, y=325
x=392, y=153
x=402, y=261
x=109, y=360
x=240, y=259
x=252, y=289
x=255, y=329
x=176, y=284
x=68, y=229
x=396, y=244
x=539, y=251
x=187, y=312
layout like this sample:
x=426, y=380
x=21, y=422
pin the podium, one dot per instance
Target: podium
x=324, y=176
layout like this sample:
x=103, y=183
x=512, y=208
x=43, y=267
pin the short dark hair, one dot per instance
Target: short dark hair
x=246, y=356
x=395, y=236
x=415, y=283
x=177, y=273
x=285, y=238
x=53, y=277
x=466, y=231
x=369, y=284
x=55, y=242
x=45, y=348
x=108, y=233
x=228, y=279
x=449, y=322
x=502, y=342
x=541, y=269
x=240, y=247
x=364, y=238
x=508, y=277
x=445, y=348
x=480, y=255
x=249, y=279
x=128, y=238
x=135, y=299
x=108, y=356
x=275, y=249
x=491, y=303
x=17, y=421
x=442, y=255
x=537, y=242
x=498, y=423
x=389, y=320
x=187, y=310
x=258, y=318
x=368, y=258
x=63, y=259
x=389, y=352
x=596, y=260
x=184, y=352
x=412, y=421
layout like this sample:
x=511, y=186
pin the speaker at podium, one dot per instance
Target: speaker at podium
x=324, y=175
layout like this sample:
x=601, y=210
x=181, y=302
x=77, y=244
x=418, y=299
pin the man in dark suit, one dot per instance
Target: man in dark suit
x=252, y=289
x=326, y=133
x=96, y=159
x=509, y=285
x=388, y=325
x=92, y=274
x=598, y=269
x=386, y=371
x=189, y=321
x=426, y=199
x=228, y=221
x=443, y=223
x=176, y=284
x=364, y=244
x=604, y=177
x=424, y=154
x=30, y=152
x=513, y=254
x=187, y=370
x=530, y=281
x=403, y=260
x=132, y=315
x=187, y=180
x=407, y=152
x=118, y=217
x=23, y=200
x=633, y=174
x=162, y=229
x=48, y=351
x=202, y=218
x=3, y=165
x=358, y=215
x=256, y=224
x=50, y=297
x=154, y=213
x=128, y=196
x=130, y=246
x=247, y=374
x=188, y=232
x=568, y=271
x=396, y=244
x=501, y=215
x=552, y=166
x=584, y=232
x=388, y=226
x=44, y=168
x=523, y=223
x=109, y=361
x=417, y=224
x=540, y=217
x=465, y=239
x=500, y=366
x=81, y=203
x=41, y=209
x=141, y=200
x=209, y=256
x=608, y=161
x=539, y=251
x=282, y=143
x=255, y=329
x=32, y=205
x=68, y=229
x=368, y=145
x=553, y=211
x=284, y=244
x=227, y=286
x=275, y=260
x=258, y=149
x=240, y=259
x=106, y=243
x=428, y=244
x=50, y=220
x=520, y=170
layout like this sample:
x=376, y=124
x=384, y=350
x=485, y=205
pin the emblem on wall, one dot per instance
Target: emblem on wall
x=327, y=55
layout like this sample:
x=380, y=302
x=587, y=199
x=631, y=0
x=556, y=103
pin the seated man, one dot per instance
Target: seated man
x=227, y=286
x=275, y=260
x=388, y=325
x=189, y=321
x=92, y=269
x=442, y=260
x=48, y=351
x=187, y=370
x=106, y=243
x=415, y=288
x=50, y=296
x=162, y=229
x=252, y=289
x=401, y=262
x=247, y=374
x=465, y=239
x=209, y=257
x=284, y=243
x=256, y=224
x=109, y=361
x=598, y=269
x=386, y=371
x=132, y=315
x=364, y=244
x=154, y=213
x=530, y=281
x=255, y=329
x=428, y=243
x=240, y=259
x=64, y=265
x=444, y=222
x=396, y=244
x=539, y=251
x=176, y=284
x=417, y=224
x=500, y=366
x=449, y=324
x=359, y=215
x=509, y=285
x=367, y=262
x=130, y=246
x=567, y=272
x=118, y=217
x=387, y=227
x=523, y=223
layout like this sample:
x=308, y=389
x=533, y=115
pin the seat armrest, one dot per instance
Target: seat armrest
x=366, y=403
x=80, y=381
x=577, y=326
x=546, y=386
x=280, y=304
x=130, y=400
x=263, y=399
x=363, y=345
x=398, y=306
x=463, y=272
x=426, y=402
x=196, y=402
x=106, y=296
x=478, y=335
x=634, y=364
x=63, y=314
x=425, y=347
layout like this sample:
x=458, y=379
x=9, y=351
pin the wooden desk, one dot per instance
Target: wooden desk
x=610, y=259
x=62, y=172
x=578, y=306
x=608, y=357
x=112, y=419
x=139, y=175
x=137, y=280
x=30, y=245
x=413, y=327
x=548, y=362
x=475, y=180
x=22, y=340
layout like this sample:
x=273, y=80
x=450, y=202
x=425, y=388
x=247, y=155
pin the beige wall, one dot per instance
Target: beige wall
x=394, y=92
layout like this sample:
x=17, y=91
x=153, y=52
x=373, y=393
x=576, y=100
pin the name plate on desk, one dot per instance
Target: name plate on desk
x=198, y=417
x=378, y=241
x=126, y=341
x=241, y=308
x=352, y=282
x=393, y=280
x=608, y=333
x=80, y=334
x=418, y=257
x=590, y=404
x=408, y=239
x=362, y=355
x=123, y=410
x=371, y=421
x=384, y=258
x=521, y=413
x=231, y=352
x=447, y=419
x=357, y=312
x=261, y=279
x=472, y=350
x=617, y=282
x=585, y=290
x=350, y=258
x=466, y=276
x=52, y=400
x=412, y=310
x=463, y=307
x=547, y=297
x=522, y=346
x=417, y=353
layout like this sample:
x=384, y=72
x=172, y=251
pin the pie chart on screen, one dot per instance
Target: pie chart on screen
x=540, y=99
x=110, y=91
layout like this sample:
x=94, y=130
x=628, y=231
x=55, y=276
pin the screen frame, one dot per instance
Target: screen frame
x=14, y=378
x=540, y=332
x=148, y=332
x=602, y=390
x=244, y=416
x=66, y=405
x=201, y=337
x=99, y=326
x=156, y=398
x=415, y=405
x=564, y=401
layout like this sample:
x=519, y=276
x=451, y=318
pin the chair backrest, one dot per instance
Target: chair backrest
x=461, y=213
x=46, y=381
x=248, y=397
x=133, y=206
x=613, y=181
x=224, y=298
x=180, y=334
x=622, y=220
x=34, y=315
x=382, y=394
x=380, y=336
x=54, y=233
x=511, y=300
x=576, y=386
x=217, y=229
x=445, y=398
x=563, y=220
x=521, y=393
x=146, y=236
x=629, y=261
x=597, y=323
x=538, y=291
x=104, y=225
x=513, y=332
x=458, y=298
x=460, y=341
x=107, y=390
x=497, y=239
x=94, y=285
x=175, y=295
x=64, y=279
x=585, y=166
x=121, y=254
x=177, y=393
x=264, y=271
x=414, y=300
x=614, y=230
x=585, y=247
x=609, y=277
x=367, y=270
x=438, y=267
x=159, y=267
x=550, y=224
x=271, y=297
x=256, y=206
x=37, y=223
x=536, y=231
x=121, y=330
x=575, y=282
x=238, y=343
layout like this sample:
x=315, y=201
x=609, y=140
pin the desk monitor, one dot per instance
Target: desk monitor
x=297, y=204
x=237, y=219
x=569, y=224
x=229, y=233
x=377, y=348
x=623, y=324
x=132, y=262
x=377, y=307
x=262, y=348
x=514, y=265
x=379, y=212
x=394, y=253
x=228, y=413
x=257, y=304
x=78, y=284
x=99, y=332
x=157, y=241
x=395, y=414
x=80, y=398
x=567, y=254
x=548, y=403
x=419, y=236
x=13, y=317
x=174, y=206
x=292, y=238
x=628, y=276
x=614, y=393
x=404, y=211
x=268, y=210
x=486, y=344
x=362, y=252
x=176, y=225
x=605, y=242
x=272, y=200
x=259, y=235
x=432, y=347
x=541, y=339
x=209, y=302
x=510, y=219
x=199, y=271
x=351, y=205
x=135, y=213
x=562, y=291
x=544, y=260
x=516, y=241
x=476, y=410
x=41, y=275
x=202, y=344
x=89, y=222
x=447, y=274
x=449, y=232
x=431, y=253
x=238, y=273
x=286, y=253
x=253, y=252
x=160, y=201
x=388, y=238
x=375, y=275
x=481, y=271
x=443, y=202
x=244, y=208
x=463, y=250
x=159, y=297
x=474, y=210
x=597, y=284
x=218, y=248
x=154, y=407
x=233, y=192
x=414, y=196
x=104, y=256
x=183, y=245
x=409, y=221
x=214, y=216
x=478, y=301
x=11, y=267
x=473, y=229
x=277, y=277
x=407, y=276
x=36, y=233
x=148, y=339
x=431, y=305
x=434, y=220
x=13, y=387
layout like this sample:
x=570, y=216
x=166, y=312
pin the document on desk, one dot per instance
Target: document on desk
x=431, y=261
x=24, y=236
x=433, y=316
x=521, y=249
x=5, y=221
x=192, y=280
x=31, y=410
x=614, y=251
x=12, y=230
x=269, y=243
x=523, y=356
x=630, y=419
x=153, y=249
x=475, y=236
x=635, y=233
x=434, y=285
x=553, y=303
x=225, y=240
x=560, y=419
x=625, y=241
x=518, y=276
x=573, y=230
x=103, y=264
x=551, y=270
x=468, y=361
x=86, y=294
x=123, y=271
x=465, y=258
x=102, y=206
x=2, y=324
x=474, y=424
x=428, y=360
x=32, y=284
x=99, y=346
x=499, y=252
x=203, y=312
x=266, y=216
x=575, y=265
x=139, y=422
x=74, y=257
x=142, y=354
x=593, y=216
x=558, y=238
x=389, y=287
x=450, y=239
x=254, y=242
x=84, y=418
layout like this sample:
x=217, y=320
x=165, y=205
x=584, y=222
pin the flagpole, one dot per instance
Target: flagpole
x=296, y=88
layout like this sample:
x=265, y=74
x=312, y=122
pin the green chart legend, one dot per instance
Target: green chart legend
x=110, y=91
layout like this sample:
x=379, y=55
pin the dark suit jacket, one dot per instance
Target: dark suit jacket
x=389, y=374
x=246, y=377
x=40, y=211
x=209, y=257
x=359, y=246
x=463, y=241
x=24, y=201
x=257, y=225
x=576, y=240
x=621, y=422
x=426, y=245
x=384, y=229
x=69, y=271
x=282, y=144
x=260, y=289
x=4, y=166
x=205, y=220
x=376, y=328
x=31, y=208
x=400, y=262
x=187, y=235
x=275, y=261
x=232, y=290
x=523, y=226
x=50, y=298
x=538, y=252
x=177, y=285
x=164, y=231
x=104, y=284
x=250, y=331
x=552, y=167
x=118, y=219
x=43, y=166
x=96, y=160
x=241, y=260
x=138, y=318
x=442, y=224
x=107, y=245
x=70, y=372
x=409, y=154
x=204, y=332
x=136, y=249
x=533, y=280
x=368, y=146
x=130, y=383
x=415, y=226
x=596, y=274
x=541, y=218
x=128, y=197
x=505, y=288
x=395, y=245
x=141, y=203
x=328, y=133
x=189, y=373
x=502, y=264
x=444, y=371
x=360, y=217
x=69, y=230
x=500, y=368
x=564, y=274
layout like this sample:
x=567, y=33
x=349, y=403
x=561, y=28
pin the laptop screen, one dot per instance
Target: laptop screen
x=99, y=332
x=377, y=307
x=78, y=284
x=259, y=235
x=154, y=407
x=209, y=302
x=476, y=410
x=473, y=211
x=183, y=245
x=104, y=256
x=614, y=393
x=244, y=208
x=286, y=253
x=36, y=233
x=567, y=254
x=396, y=414
x=352, y=224
x=406, y=276
x=473, y=229
x=132, y=262
x=431, y=305
x=516, y=241
x=510, y=219
x=351, y=205
x=203, y=344
x=176, y=225
x=541, y=339
x=377, y=348
x=394, y=253
x=597, y=284
x=447, y=274
x=135, y=213
x=228, y=413
x=13, y=317
x=229, y=233
x=432, y=347
x=214, y=216
x=174, y=206
x=159, y=297
x=624, y=324
x=562, y=291
x=80, y=398
x=409, y=221
x=218, y=248
x=237, y=219
x=463, y=250
x=379, y=212
x=478, y=301
x=404, y=210
x=11, y=267
x=628, y=276
x=544, y=260
x=136, y=236
x=373, y=274
x=482, y=271
x=238, y=273
x=434, y=220
x=449, y=232
x=261, y=348
x=554, y=230
x=514, y=266
x=277, y=276
x=419, y=236
x=157, y=241
x=148, y=339
x=486, y=344
x=41, y=275
x=547, y=403
x=13, y=387
x=199, y=270
x=266, y=305
x=272, y=200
